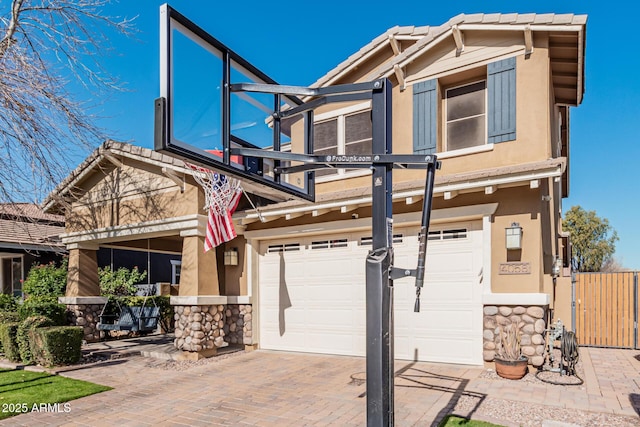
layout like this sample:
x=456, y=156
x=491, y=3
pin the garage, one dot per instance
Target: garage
x=312, y=294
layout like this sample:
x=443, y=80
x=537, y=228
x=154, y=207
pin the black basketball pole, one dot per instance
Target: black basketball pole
x=380, y=271
x=379, y=287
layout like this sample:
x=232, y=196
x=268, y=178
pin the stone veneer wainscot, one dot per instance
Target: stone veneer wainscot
x=210, y=322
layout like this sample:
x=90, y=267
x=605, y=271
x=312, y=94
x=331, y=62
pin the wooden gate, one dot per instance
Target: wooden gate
x=606, y=309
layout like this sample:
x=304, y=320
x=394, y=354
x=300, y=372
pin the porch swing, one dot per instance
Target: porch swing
x=141, y=319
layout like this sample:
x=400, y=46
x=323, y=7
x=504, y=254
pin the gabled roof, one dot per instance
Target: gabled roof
x=567, y=54
x=25, y=226
x=108, y=152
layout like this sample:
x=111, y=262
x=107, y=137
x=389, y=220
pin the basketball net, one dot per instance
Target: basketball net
x=222, y=195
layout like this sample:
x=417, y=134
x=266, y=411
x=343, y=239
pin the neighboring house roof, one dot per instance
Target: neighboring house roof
x=25, y=226
x=567, y=56
x=109, y=151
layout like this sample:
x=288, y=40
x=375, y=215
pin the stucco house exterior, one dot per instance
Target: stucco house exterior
x=489, y=93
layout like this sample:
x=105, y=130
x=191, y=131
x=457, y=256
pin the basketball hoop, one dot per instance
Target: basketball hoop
x=222, y=195
x=220, y=191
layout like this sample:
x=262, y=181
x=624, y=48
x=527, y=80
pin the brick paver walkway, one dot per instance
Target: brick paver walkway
x=280, y=389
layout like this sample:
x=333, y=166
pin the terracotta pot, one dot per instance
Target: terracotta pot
x=512, y=369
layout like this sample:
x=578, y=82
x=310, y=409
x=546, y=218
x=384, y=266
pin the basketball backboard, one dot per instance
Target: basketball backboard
x=200, y=118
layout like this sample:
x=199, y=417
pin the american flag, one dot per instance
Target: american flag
x=219, y=225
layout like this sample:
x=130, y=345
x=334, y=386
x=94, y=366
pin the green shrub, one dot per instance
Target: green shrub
x=9, y=316
x=8, y=303
x=46, y=280
x=120, y=282
x=8, y=332
x=44, y=306
x=24, y=336
x=57, y=345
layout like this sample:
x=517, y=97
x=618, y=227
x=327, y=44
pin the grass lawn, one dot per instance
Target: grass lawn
x=24, y=391
x=455, y=421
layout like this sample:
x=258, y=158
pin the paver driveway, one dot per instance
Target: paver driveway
x=278, y=388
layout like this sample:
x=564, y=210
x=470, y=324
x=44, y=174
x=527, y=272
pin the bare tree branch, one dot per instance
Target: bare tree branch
x=45, y=47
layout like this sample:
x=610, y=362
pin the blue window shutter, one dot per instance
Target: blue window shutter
x=501, y=85
x=424, y=117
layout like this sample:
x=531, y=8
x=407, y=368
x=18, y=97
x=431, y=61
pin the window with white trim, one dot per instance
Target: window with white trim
x=345, y=133
x=460, y=233
x=368, y=241
x=329, y=244
x=285, y=247
x=466, y=118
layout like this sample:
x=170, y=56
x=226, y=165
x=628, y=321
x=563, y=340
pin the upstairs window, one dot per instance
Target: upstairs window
x=466, y=117
x=475, y=114
x=348, y=131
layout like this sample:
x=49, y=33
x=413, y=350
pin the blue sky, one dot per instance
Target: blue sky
x=297, y=42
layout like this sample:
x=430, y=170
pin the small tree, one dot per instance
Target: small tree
x=592, y=238
x=120, y=282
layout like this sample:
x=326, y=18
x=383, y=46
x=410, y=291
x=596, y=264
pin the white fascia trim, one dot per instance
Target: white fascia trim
x=210, y=300
x=515, y=299
x=521, y=27
x=580, y=66
x=359, y=61
x=512, y=179
x=166, y=226
x=438, y=216
x=438, y=189
x=465, y=151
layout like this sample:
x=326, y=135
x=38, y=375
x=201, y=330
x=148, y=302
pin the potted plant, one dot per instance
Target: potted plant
x=509, y=360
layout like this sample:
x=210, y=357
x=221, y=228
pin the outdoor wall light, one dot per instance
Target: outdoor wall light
x=556, y=269
x=231, y=256
x=514, y=237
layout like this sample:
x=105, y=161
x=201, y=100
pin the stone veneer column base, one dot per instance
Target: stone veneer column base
x=204, y=324
x=238, y=325
x=532, y=339
x=84, y=312
x=199, y=328
x=197, y=355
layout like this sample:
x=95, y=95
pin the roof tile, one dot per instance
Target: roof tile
x=474, y=18
x=566, y=18
x=526, y=18
x=544, y=18
x=491, y=18
x=459, y=19
x=422, y=30
x=508, y=18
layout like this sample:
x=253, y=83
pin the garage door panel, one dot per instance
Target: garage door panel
x=326, y=288
x=336, y=318
x=446, y=292
x=445, y=263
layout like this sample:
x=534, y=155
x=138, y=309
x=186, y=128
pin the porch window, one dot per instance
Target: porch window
x=176, y=267
x=466, y=116
x=12, y=276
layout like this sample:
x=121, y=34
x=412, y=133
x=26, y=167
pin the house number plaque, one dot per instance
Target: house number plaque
x=515, y=268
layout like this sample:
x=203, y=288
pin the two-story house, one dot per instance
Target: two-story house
x=489, y=93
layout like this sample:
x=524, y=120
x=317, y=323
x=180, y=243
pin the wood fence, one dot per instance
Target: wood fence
x=606, y=309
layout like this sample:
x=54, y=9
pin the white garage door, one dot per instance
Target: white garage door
x=312, y=295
